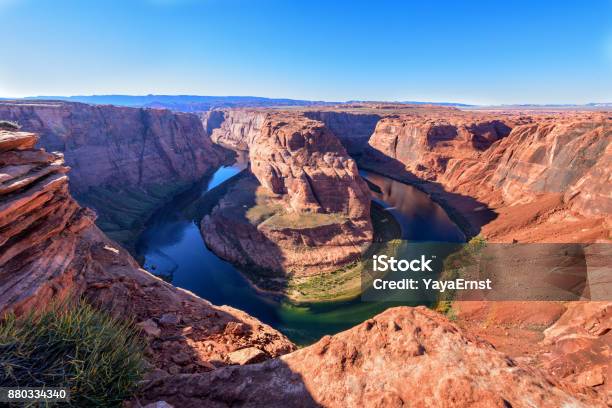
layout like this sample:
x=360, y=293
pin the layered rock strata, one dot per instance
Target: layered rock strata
x=302, y=208
x=51, y=249
x=425, y=144
x=125, y=161
x=512, y=185
x=547, y=180
x=234, y=129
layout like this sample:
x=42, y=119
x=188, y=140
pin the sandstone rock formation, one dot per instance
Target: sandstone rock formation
x=547, y=180
x=353, y=129
x=303, y=208
x=125, y=161
x=234, y=129
x=425, y=144
x=39, y=224
x=547, y=169
x=402, y=357
x=579, y=346
x=50, y=249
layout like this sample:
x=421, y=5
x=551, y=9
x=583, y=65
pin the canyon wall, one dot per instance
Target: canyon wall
x=547, y=166
x=51, y=249
x=425, y=144
x=302, y=208
x=571, y=158
x=201, y=354
x=234, y=129
x=125, y=161
x=352, y=129
x=237, y=128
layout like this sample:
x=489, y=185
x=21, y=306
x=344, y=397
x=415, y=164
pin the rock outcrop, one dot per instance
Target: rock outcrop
x=578, y=347
x=302, y=208
x=39, y=224
x=51, y=249
x=425, y=144
x=125, y=161
x=402, y=357
x=548, y=168
x=234, y=129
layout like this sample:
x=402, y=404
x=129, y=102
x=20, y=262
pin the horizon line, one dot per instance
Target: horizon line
x=445, y=102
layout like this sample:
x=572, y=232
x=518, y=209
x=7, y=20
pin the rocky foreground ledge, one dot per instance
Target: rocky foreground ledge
x=403, y=357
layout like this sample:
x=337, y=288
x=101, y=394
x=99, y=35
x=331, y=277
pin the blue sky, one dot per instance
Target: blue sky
x=484, y=52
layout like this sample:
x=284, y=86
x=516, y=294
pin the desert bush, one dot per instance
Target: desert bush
x=8, y=125
x=99, y=358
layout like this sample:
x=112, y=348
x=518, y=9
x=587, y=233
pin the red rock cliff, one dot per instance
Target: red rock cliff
x=235, y=128
x=352, y=129
x=50, y=248
x=125, y=161
x=547, y=168
x=304, y=209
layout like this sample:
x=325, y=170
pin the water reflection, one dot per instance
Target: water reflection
x=172, y=247
x=421, y=218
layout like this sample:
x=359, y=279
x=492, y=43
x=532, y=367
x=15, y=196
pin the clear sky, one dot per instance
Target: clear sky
x=483, y=52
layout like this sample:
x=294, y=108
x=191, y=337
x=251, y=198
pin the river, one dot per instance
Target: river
x=172, y=246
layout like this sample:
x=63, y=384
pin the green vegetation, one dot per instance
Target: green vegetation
x=269, y=211
x=458, y=265
x=347, y=282
x=8, y=125
x=123, y=212
x=304, y=220
x=97, y=357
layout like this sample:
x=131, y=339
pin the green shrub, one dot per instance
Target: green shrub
x=98, y=357
x=8, y=125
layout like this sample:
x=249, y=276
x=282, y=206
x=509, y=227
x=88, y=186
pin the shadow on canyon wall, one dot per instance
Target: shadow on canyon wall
x=271, y=384
x=231, y=234
x=467, y=212
x=352, y=129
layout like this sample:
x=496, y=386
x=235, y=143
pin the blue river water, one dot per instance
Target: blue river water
x=172, y=246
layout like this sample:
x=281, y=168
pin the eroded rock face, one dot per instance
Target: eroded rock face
x=125, y=162
x=50, y=248
x=545, y=181
x=237, y=129
x=559, y=156
x=424, y=144
x=352, y=129
x=302, y=159
x=303, y=208
x=109, y=144
x=39, y=224
x=402, y=357
x=579, y=345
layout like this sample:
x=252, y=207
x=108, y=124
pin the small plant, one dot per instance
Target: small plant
x=97, y=357
x=8, y=125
